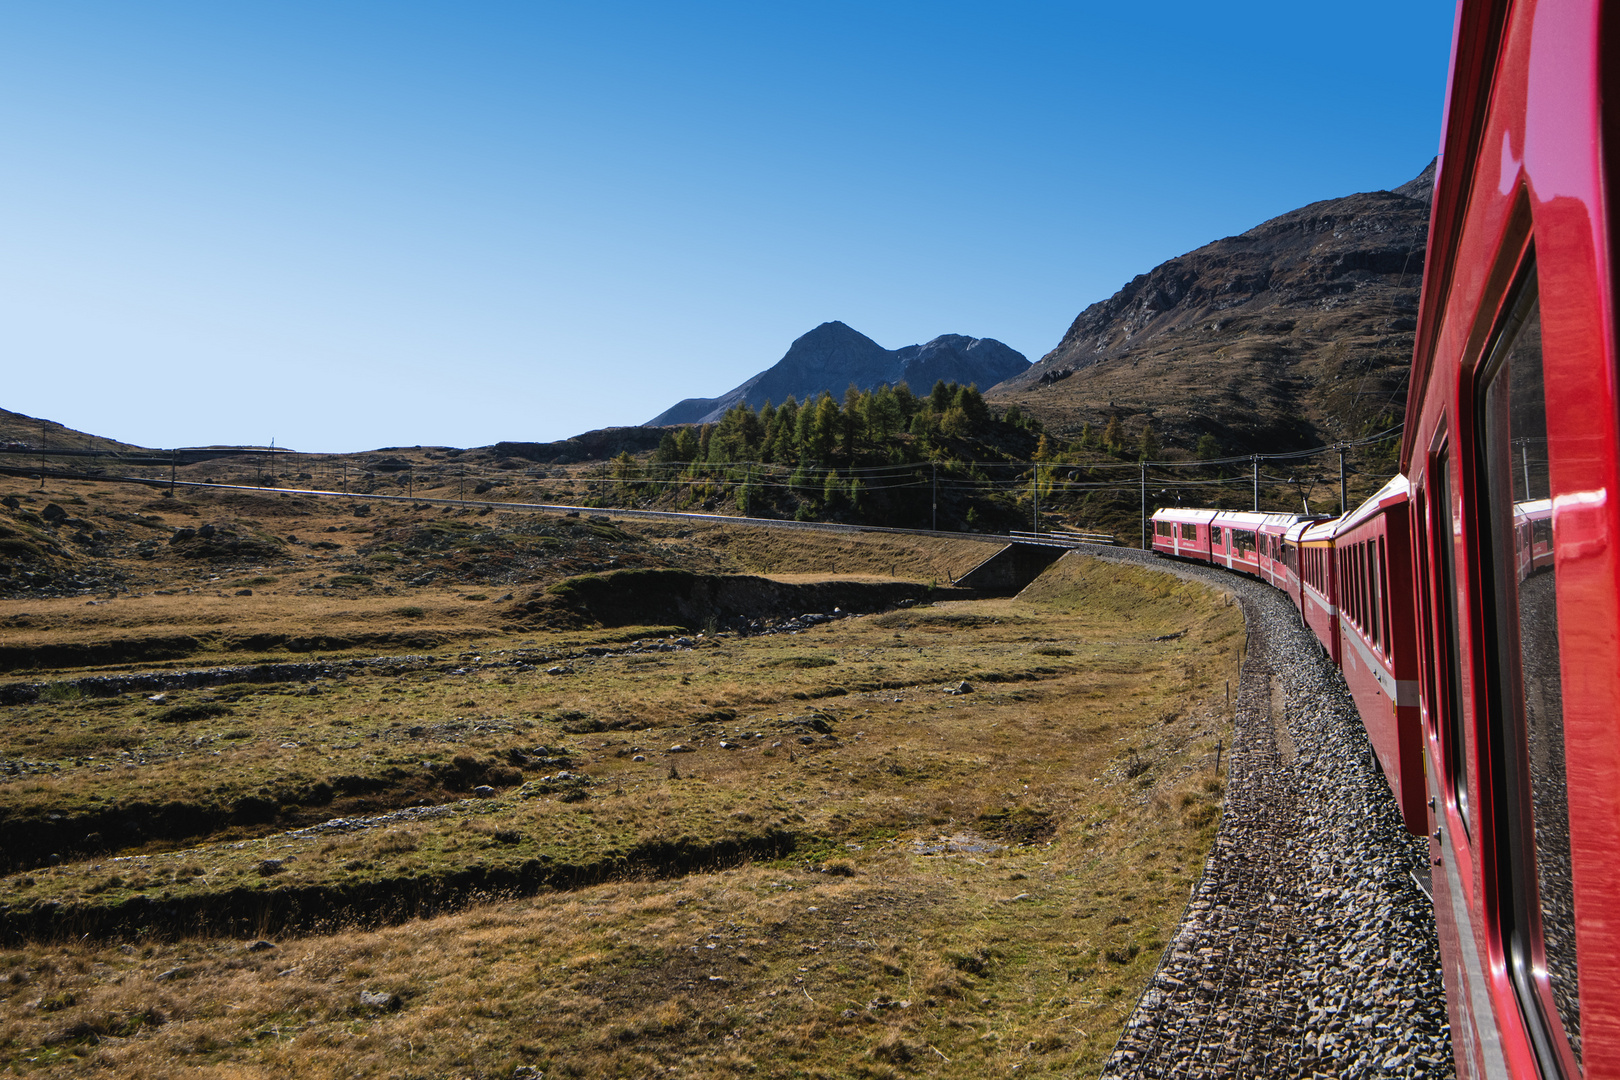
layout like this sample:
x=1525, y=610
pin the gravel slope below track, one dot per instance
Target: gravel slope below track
x=1307, y=948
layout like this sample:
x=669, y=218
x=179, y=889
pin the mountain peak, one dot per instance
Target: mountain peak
x=834, y=356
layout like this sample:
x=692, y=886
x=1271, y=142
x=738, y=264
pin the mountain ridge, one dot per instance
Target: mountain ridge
x=1296, y=332
x=834, y=356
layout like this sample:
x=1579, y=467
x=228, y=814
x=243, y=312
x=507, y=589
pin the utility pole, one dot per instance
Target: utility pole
x=1254, y=462
x=174, y=457
x=1035, y=494
x=935, y=525
x=1344, y=507
x=1143, y=465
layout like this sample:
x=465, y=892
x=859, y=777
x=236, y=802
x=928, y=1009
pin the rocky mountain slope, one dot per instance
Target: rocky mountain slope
x=833, y=356
x=1295, y=333
x=19, y=430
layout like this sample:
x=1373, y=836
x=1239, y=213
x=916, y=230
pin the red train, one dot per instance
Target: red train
x=1473, y=604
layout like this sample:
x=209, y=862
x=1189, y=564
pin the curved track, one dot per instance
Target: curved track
x=1308, y=948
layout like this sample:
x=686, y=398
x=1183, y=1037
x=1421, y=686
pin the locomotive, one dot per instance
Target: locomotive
x=1473, y=604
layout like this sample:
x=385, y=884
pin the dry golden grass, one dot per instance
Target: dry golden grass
x=970, y=882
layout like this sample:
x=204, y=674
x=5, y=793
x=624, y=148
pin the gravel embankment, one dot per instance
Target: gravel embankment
x=1307, y=948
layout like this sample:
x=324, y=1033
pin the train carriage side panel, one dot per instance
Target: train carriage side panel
x=1186, y=533
x=1376, y=631
x=1319, y=586
x=1240, y=541
x=1513, y=408
x=1293, y=567
x=1273, y=567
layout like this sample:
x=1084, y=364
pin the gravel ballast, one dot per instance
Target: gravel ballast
x=1307, y=948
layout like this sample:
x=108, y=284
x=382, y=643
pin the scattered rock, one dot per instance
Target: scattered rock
x=260, y=946
x=682, y=748
x=380, y=999
x=960, y=688
x=53, y=513
x=483, y=791
x=270, y=867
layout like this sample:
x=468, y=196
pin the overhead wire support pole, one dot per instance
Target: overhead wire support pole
x=1344, y=507
x=935, y=465
x=1254, y=463
x=1144, y=505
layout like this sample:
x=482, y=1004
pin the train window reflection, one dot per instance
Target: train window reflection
x=1445, y=533
x=1527, y=705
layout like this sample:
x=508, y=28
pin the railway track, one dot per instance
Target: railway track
x=1308, y=946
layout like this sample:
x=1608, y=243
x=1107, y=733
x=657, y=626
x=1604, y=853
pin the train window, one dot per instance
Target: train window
x=1526, y=707
x=1161, y=528
x=1355, y=583
x=1189, y=531
x=1380, y=598
x=1447, y=532
x=1364, y=567
x=1215, y=534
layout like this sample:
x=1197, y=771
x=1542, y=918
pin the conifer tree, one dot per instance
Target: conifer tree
x=1149, y=444
x=1113, y=438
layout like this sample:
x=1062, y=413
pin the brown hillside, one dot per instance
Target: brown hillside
x=18, y=429
x=1293, y=334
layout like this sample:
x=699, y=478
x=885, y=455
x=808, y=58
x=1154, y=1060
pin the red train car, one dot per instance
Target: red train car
x=1511, y=421
x=1182, y=533
x=1293, y=581
x=1319, y=584
x=1234, y=541
x=1273, y=565
x=1377, y=638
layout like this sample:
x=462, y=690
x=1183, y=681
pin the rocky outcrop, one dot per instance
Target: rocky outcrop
x=1295, y=332
x=833, y=356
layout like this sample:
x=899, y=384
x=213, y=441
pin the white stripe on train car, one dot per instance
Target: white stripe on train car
x=1403, y=692
x=1330, y=609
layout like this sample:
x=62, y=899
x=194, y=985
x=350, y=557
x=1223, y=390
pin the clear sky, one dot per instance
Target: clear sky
x=348, y=225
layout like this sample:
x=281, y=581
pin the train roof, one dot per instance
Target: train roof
x=1296, y=531
x=1394, y=493
x=1245, y=519
x=1318, y=531
x=1177, y=513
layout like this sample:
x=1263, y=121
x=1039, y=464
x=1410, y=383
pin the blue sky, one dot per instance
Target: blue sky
x=351, y=225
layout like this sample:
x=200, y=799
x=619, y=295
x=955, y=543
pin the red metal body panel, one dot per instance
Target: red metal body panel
x=1521, y=196
x=1319, y=593
x=1188, y=536
x=1377, y=637
x=1234, y=541
x=1273, y=566
x=1293, y=583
